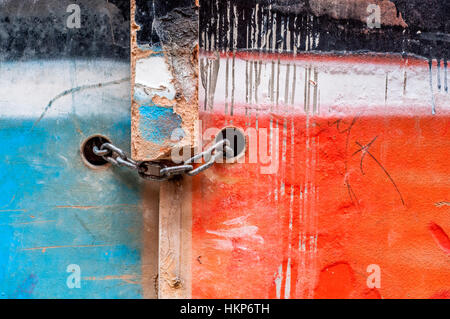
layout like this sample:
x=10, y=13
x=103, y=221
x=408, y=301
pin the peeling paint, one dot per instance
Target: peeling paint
x=167, y=73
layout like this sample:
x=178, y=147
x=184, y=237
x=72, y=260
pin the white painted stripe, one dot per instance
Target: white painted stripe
x=333, y=87
x=98, y=87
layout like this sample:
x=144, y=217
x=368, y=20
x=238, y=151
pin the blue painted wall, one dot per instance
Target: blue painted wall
x=58, y=86
x=157, y=124
x=54, y=210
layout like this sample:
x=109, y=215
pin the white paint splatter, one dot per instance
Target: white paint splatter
x=245, y=232
x=278, y=281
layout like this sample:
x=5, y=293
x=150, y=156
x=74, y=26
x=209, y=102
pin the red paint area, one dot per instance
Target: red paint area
x=441, y=295
x=350, y=192
x=378, y=59
x=440, y=237
x=335, y=281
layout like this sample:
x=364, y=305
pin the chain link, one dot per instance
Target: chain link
x=161, y=171
x=115, y=156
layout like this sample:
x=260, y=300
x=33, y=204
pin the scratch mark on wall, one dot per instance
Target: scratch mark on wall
x=84, y=226
x=75, y=90
x=442, y=204
x=44, y=249
x=35, y=222
x=130, y=279
x=249, y=232
x=94, y=207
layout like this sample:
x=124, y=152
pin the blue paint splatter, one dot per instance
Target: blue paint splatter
x=158, y=123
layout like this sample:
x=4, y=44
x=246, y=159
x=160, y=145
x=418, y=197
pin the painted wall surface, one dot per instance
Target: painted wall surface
x=350, y=200
x=347, y=195
x=58, y=86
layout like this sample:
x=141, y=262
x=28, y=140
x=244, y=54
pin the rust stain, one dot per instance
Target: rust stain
x=44, y=249
x=163, y=101
x=13, y=210
x=94, y=207
x=130, y=279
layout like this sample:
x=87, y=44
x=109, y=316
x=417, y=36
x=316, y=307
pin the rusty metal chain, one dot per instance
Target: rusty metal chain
x=161, y=171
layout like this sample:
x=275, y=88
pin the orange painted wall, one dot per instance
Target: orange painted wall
x=351, y=191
